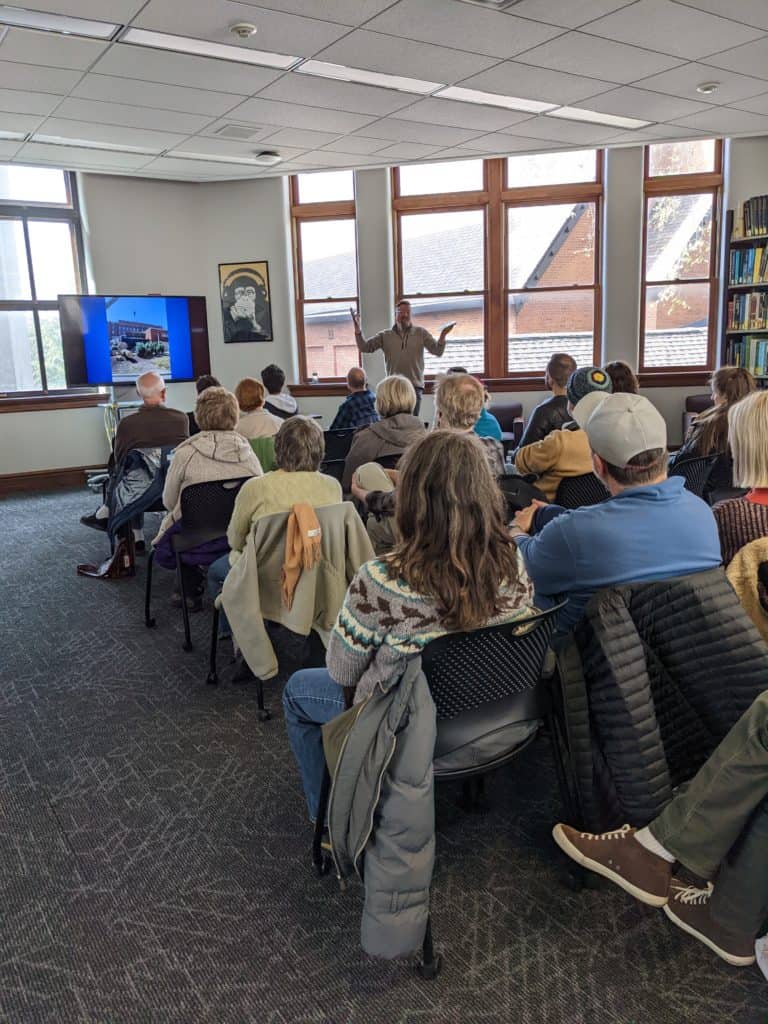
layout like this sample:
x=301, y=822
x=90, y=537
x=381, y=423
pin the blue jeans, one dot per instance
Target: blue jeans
x=310, y=698
x=217, y=573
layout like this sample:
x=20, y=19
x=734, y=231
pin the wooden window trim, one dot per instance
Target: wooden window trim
x=47, y=403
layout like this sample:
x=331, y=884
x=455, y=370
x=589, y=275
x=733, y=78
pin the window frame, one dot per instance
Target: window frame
x=69, y=212
x=659, y=186
x=337, y=209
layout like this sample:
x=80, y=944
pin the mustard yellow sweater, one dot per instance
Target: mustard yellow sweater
x=561, y=453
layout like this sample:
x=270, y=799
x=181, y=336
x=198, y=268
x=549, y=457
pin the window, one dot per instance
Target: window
x=432, y=179
x=551, y=168
x=40, y=258
x=326, y=273
x=682, y=194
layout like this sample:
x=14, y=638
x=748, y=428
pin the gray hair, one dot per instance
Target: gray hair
x=150, y=384
x=299, y=445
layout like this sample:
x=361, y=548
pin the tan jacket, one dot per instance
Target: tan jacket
x=742, y=575
x=252, y=590
x=404, y=350
x=560, y=454
x=390, y=436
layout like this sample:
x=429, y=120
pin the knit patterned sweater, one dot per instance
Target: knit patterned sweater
x=739, y=521
x=383, y=623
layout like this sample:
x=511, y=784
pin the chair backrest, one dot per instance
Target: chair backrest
x=389, y=461
x=518, y=492
x=208, y=506
x=264, y=449
x=576, y=491
x=334, y=468
x=337, y=444
x=507, y=413
x=695, y=472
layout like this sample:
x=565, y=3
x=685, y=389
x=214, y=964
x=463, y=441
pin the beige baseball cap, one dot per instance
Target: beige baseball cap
x=624, y=425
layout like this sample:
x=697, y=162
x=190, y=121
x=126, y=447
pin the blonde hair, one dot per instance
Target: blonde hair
x=459, y=400
x=747, y=432
x=394, y=395
x=250, y=394
x=216, y=409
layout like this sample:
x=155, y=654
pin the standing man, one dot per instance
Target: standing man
x=359, y=407
x=403, y=346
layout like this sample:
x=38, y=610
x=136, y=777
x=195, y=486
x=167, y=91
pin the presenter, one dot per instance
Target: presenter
x=403, y=346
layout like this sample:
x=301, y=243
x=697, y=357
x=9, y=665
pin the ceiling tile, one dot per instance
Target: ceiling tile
x=294, y=115
x=497, y=143
x=14, y=75
x=325, y=158
x=752, y=57
x=556, y=129
x=302, y=138
x=19, y=122
x=345, y=12
x=617, y=62
x=461, y=115
x=150, y=94
x=640, y=103
x=113, y=134
x=669, y=27
x=656, y=133
x=410, y=131
x=531, y=83
x=228, y=147
x=727, y=121
x=756, y=105
x=119, y=11
x=570, y=14
x=682, y=81
x=49, y=49
x=750, y=12
x=72, y=157
x=355, y=145
x=141, y=62
x=407, y=151
x=8, y=149
x=278, y=32
x=170, y=164
x=376, y=52
x=30, y=102
x=131, y=117
x=323, y=92
x=463, y=27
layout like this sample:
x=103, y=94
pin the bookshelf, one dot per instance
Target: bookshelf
x=745, y=295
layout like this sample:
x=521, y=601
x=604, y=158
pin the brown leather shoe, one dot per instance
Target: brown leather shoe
x=688, y=908
x=619, y=857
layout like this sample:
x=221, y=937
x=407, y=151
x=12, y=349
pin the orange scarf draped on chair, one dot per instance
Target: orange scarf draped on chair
x=302, y=548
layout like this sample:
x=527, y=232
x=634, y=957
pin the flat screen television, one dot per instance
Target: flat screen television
x=113, y=339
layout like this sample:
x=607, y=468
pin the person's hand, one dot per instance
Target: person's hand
x=393, y=474
x=524, y=518
x=446, y=331
x=355, y=320
x=358, y=491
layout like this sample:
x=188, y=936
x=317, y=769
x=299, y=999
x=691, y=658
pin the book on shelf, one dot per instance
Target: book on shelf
x=749, y=266
x=748, y=311
x=752, y=218
x=749, y=352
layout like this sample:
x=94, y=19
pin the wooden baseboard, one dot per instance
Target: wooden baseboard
x=45, y=479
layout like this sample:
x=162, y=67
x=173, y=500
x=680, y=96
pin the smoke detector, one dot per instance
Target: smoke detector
x=266, y=157
x=243, y=30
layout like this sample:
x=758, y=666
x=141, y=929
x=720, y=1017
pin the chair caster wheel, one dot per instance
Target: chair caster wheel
x=263, y=715
x=212, y=679
x=150, y=623
x=430, y=971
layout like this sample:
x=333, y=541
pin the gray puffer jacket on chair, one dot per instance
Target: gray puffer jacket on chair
x=381, y=813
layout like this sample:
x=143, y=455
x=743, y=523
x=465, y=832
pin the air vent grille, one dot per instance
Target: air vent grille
x=237, y=131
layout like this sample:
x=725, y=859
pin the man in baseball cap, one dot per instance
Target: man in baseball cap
x=650, y=528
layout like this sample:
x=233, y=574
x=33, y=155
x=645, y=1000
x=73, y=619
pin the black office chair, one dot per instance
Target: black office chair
x=519, y=491
x=334, y=468
x=389, y=461
x=695, y=472
x=205, y=513
x=490, y=700
x=337, y=444
x=576, y=491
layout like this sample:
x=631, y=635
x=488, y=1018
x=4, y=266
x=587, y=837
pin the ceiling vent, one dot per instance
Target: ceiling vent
x=493, y=5
x=237, y=131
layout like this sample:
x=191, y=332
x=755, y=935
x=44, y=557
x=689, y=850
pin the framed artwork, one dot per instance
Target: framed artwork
x=246, y=310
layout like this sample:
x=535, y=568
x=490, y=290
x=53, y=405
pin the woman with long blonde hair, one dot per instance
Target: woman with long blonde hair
x=453, y=568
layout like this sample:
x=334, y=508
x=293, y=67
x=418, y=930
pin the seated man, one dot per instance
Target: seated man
x=651, y=528
x=565, y=452
x=359, y=407
x=552, y=413
x=279, y=403
x=152, y=425
x=717, y=828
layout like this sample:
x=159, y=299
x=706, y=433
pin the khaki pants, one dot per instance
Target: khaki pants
x=382, y=533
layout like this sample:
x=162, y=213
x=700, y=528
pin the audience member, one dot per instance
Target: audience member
x=459, y=403
x=552, y=413
x=202, y=382
x=651, y=528
x=359, y=407
x=152, y=425
x=623, y=378
x=453, y=568
x=392, y=434
x=709, y=433
x=717, y=828
x=280, y=403
x=255, y=421
x=217, y=452
x=565, y=452
x=299, y=450
x=742, y=520
x=487, y=425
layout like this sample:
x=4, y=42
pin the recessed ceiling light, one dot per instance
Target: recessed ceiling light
x=203, y=48
x=594, y=117
x=707, y=88
x=61, y=23
x=493, y=99
x=113, y=147
x=361, y=77
x=259, y=159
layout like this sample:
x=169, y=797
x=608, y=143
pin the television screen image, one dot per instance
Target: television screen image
x=114, y=339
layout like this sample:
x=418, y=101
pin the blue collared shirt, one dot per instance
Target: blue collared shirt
x=357, y=410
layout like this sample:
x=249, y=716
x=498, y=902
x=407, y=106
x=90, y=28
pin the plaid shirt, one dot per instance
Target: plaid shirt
x=357, y=410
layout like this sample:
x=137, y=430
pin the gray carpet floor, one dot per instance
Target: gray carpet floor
x=154, y=848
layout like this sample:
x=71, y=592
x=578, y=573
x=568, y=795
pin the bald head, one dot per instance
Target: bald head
x=356, y=379
x=151, y=388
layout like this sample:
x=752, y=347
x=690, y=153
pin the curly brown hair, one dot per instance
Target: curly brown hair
x=453, y=544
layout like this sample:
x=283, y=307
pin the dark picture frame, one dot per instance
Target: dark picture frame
x=246, y=306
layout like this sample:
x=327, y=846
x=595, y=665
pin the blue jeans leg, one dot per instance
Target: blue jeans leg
x=310, y=698
x=217, y=572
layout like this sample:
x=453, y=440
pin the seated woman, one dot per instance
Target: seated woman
x=217, y=452
x=299, y=450
x=395, y=431
x=709, y=433
x=454, y=567
x=622, y=377
x=255, y=421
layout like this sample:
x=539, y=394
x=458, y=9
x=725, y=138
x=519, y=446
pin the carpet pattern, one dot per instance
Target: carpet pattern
x=154, y=861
